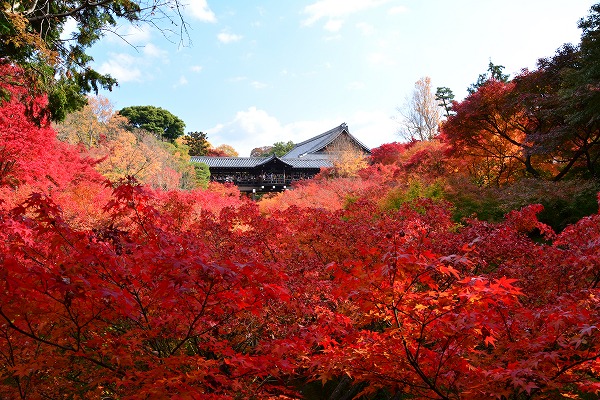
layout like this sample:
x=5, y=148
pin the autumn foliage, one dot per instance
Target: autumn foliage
x=362, y=286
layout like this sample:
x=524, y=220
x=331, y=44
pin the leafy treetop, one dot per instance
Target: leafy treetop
x=277, y=149
x=154, y=119
x=30, y=36
x=197, y=142
x=494, y=72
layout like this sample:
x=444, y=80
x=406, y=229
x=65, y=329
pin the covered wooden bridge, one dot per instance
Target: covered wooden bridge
x=275, y=174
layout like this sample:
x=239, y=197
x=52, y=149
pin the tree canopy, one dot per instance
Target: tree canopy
x=197, y=142
x=277, y=149
x=154, y=119
x=31, y=36
x=541, y=123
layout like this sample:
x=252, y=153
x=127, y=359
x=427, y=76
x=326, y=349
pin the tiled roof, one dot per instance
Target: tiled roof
x=318, y=143
x=309, y=162
x=252, y=162
x=303, y=155
x=237, y=162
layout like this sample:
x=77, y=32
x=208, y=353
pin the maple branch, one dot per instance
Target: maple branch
x=415, y=364
x=579, y=362
x=195, y=320
x=39, y=339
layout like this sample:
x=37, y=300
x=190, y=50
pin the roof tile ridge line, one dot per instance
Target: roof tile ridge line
x=232, y=157
x=270, y=158
x=343, y=125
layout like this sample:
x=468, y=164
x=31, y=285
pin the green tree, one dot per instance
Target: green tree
x=281, y=148
x=30, y=36
x=445, y=97
x=202, y=174
x=197, y=142
x=154, y=119
x=277, y=149
x=494, y=72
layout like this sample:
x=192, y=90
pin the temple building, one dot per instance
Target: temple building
x=275, y=174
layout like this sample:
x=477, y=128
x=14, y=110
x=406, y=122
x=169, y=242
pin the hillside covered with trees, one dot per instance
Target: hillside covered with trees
x=465, y=265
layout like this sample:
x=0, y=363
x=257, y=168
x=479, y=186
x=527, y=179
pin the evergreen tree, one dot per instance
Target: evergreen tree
x=197, y=142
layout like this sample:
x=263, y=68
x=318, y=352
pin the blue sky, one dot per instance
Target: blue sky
x=258, y=72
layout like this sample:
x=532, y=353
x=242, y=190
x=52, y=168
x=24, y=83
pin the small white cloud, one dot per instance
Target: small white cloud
x=133, y=35
x=196, y=68
x=258, y=85
x=226, y=37
x=137, y=34
x=181, y=82
x=151, y=50
x=333, y=25
x=122, y=67
x=200, y=10
x=366, y=29
x=69, y=28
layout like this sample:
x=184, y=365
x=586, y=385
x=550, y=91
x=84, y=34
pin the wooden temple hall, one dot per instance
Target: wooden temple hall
x=275, y=174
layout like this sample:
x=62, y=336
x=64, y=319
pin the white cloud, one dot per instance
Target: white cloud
x=153, y=51
x=374, y=127
x=258, y=85
x=255, y=127
x=200, y=10
x=248, y=129
x=333, y=25
x=137, y=34
x=131, y=35
x=69, y=28
x=226, y=37
x=196, y=68
x=122, y=67
x=336, y=9
x=181, y=82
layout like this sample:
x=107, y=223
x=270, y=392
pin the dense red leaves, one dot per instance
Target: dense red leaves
x=29, y=151
x=203, y=295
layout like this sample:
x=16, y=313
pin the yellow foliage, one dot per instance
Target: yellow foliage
x=347, y=158
x=24, y=37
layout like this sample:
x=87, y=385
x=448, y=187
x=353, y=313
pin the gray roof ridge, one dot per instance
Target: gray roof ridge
x=231, y=157
x=317, y=142
x=329, y=132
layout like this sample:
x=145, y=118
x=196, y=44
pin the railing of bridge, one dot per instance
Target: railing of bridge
x=263, y=179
